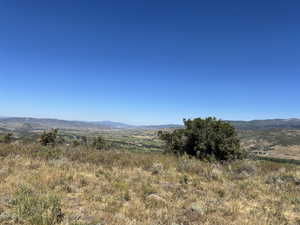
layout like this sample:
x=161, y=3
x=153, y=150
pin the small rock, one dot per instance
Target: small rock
x=196, y=207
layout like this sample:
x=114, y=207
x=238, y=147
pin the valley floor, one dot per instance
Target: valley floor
x=81, y=186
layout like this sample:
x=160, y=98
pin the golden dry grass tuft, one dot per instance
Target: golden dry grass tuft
x=81, y=186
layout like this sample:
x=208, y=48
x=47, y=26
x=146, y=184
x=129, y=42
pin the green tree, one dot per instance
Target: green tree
x=8, y=138
x=83, y=140
x=99, y=143
x=75, y=143
x=174, y=141
x=204, y=138
x=49, y=138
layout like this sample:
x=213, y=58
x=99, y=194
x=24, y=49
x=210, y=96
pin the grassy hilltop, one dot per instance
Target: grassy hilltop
x=123, y=177
x=83, y=186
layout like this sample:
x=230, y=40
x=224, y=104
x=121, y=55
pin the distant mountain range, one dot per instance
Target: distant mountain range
x=292, y=123
x=42, y=124
x=23, y=123
x=111, y=124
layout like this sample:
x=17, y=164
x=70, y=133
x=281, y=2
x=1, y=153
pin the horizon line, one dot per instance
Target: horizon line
x=141, y=124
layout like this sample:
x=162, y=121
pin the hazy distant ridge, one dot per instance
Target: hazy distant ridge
x=37, y=123
x=267, y=124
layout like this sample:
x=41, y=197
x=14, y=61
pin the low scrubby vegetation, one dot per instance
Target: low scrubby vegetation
x=209, y=139
x=49, y=182
x=48, y=137
x=49, y=185
x=32, y=207
x=52, y=138
x=99, y=143
x=6, y=138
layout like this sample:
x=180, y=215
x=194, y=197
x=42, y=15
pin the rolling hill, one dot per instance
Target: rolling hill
x=15, y=123
x=23, y=123
x=267, y=124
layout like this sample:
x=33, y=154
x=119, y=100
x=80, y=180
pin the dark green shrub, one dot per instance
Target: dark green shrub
x=174, y=140
x=60, y=140
x=8, y=138
x=99, y=143
x=75, y=143
x=79, y=140
x=205, y=139
x=83, y=140
x=48, y=138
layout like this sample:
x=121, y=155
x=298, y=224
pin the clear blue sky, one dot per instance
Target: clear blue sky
x=150, y=61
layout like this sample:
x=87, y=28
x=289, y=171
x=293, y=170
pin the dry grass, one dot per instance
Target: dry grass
x=44, y=186
x=285, y=152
